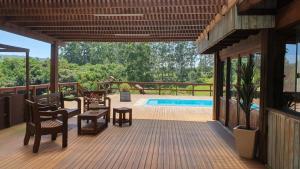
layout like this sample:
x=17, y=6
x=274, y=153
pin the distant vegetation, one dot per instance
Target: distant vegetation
x=89, y=63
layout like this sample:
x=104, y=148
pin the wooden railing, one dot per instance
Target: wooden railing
x=44, y=88
x=77, y=89
x=159, y=87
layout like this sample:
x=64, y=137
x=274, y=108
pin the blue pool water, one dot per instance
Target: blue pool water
x=189, y=103
x=179, y=102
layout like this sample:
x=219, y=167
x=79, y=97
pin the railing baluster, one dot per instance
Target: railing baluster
x=158, y=89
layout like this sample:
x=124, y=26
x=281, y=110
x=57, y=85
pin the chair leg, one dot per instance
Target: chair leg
x=37, y=141
x=27, y=135
x=65, y=138
x=65, y=134
x=53, y=136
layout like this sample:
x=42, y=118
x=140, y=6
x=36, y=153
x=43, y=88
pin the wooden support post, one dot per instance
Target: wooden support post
x=238, y=96
x=27, y=75
x=272, y=70
x=228, y=71
x=176, y=90
x=159, y=89
x=34, y=91
x=193, y=92
x=54, y=68
x=217, y=86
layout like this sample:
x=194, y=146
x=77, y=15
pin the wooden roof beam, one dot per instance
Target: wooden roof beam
x=110, y=4
x=67, y=18
x=245, y=5
x=288, y=15
x=25, y=32
x=257, y=7
x=8, y=48
x=115, y=23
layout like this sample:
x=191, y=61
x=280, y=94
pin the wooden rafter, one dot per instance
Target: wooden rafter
x=92, y=20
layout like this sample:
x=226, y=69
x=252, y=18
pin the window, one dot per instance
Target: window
x=291, y=83
x=290, y=62
x=257, y=72
x=233, y=78
x=224, y=68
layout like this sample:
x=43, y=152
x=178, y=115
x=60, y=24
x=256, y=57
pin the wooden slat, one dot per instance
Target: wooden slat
x=283, y=140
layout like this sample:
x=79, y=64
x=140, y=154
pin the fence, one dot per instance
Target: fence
x=74, y=88
x=159, y=87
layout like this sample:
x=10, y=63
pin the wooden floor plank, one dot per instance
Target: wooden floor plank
x=160, y=137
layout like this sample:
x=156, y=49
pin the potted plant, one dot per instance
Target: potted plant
x=125, y=92
x=245, y=136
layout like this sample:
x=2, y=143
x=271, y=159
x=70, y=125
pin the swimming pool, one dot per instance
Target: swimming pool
x=179, y=102
x=187, y=103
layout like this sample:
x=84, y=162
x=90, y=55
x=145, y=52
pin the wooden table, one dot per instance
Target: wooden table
x=95, y=126
x=122, y=116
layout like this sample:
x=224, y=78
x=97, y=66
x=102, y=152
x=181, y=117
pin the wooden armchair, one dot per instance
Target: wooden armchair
x=93, y=100
x=37, y=127
x=56, y=101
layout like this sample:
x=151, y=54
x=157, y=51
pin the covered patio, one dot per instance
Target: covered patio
x=163, y=137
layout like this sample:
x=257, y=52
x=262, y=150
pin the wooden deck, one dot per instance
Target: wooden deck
x=160, y=137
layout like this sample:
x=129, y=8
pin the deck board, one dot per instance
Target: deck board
x=160, y=137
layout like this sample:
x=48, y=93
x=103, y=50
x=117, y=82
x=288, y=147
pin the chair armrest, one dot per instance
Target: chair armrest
x=54, y=114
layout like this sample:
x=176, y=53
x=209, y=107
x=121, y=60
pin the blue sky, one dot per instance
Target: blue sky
x=37, y=48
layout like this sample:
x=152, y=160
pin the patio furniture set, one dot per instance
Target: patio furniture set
x=46, y=114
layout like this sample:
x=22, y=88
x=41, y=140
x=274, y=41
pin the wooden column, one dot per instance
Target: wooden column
x=54, y=68
x=217, y=86
x=272, y=68
x=27, y=75
x=228, y=71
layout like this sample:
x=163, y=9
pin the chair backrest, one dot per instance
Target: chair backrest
x=95, y=96
x=32, y=113
x=53, y=99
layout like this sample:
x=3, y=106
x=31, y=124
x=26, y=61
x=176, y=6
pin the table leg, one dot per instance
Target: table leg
x=114, y=117
x=120, y=119
x=130, y=117
x=95, y=124
x=79, y=125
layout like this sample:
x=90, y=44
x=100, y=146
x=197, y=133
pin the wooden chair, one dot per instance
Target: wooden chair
x=35, y=126
x=56, y=101
x=93, y=100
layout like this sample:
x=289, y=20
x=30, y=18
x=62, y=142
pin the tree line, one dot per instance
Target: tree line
x=88, y=63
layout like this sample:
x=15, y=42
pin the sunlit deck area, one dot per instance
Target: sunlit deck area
x=160, y=137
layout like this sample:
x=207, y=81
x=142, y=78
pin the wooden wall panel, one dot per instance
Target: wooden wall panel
x=222, y=110
x=232, y=22
x=283, y=140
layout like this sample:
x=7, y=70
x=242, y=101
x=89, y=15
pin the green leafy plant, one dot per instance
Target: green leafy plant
x=247, y=88
x=124, y=87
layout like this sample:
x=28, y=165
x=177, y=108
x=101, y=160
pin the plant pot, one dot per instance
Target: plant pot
x=125, y=97
x=245, y=141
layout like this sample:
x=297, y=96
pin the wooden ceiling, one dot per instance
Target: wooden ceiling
x=109, y=20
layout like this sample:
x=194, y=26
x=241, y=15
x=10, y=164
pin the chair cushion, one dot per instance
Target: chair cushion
x=51, y=124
